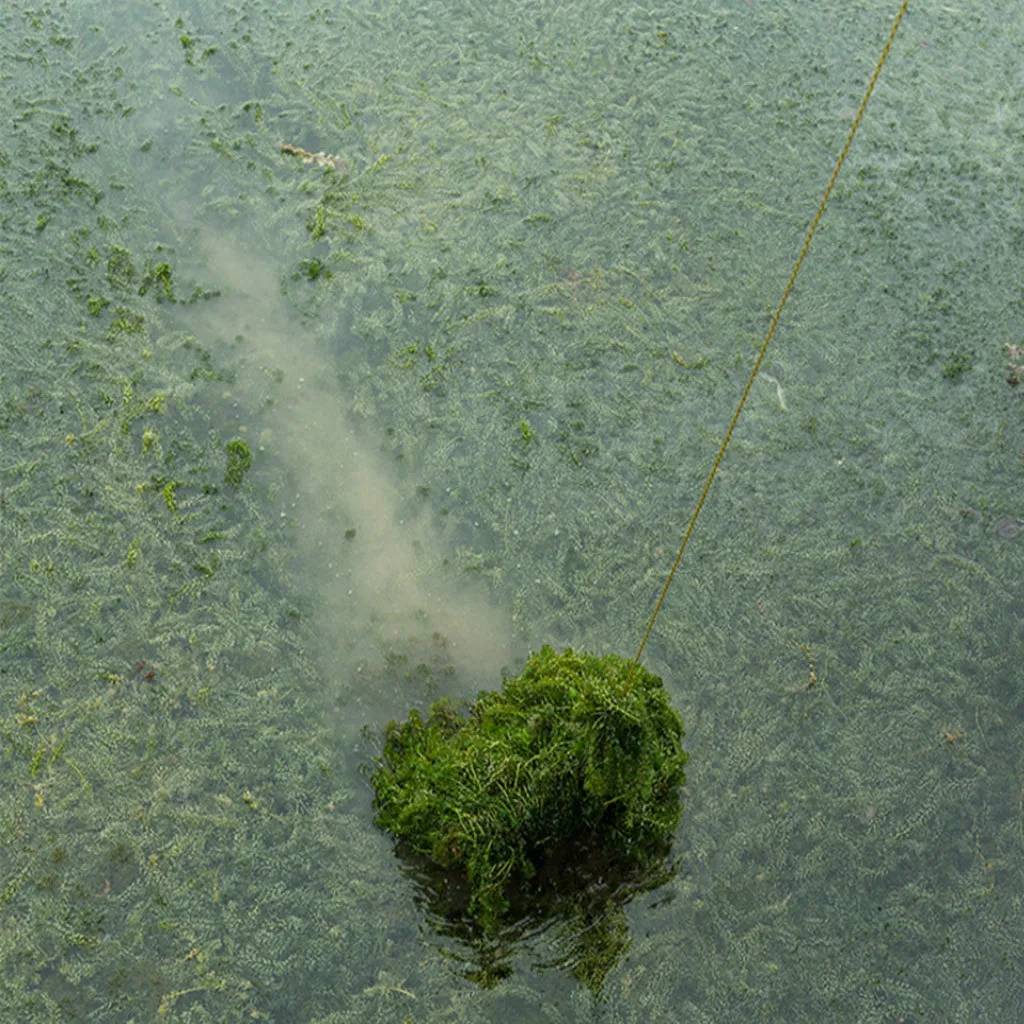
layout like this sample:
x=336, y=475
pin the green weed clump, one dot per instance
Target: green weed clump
x=239, y=461
x=565, y=749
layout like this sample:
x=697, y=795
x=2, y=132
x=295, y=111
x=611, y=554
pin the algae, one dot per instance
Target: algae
x=571, y=746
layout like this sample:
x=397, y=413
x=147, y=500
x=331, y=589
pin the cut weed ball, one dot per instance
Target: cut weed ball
x=572, y=746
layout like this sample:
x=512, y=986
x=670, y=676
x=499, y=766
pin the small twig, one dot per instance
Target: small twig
x=321, y=159
x=1015, y=367
x=1020, y=811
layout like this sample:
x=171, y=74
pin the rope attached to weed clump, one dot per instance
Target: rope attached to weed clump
x=771, y=329
x=575, y=744
x=559, y=751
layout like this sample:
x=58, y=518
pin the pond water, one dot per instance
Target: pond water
x=290, y=445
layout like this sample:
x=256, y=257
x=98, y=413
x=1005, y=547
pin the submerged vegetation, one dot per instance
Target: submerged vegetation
x=569, y=747
x=586, y=251
x=239, y=461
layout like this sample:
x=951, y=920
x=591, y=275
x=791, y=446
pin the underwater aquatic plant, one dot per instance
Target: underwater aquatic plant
x=239, y=461
x=561, y=749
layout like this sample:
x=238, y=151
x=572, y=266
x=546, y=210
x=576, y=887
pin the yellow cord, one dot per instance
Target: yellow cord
x=768, y=336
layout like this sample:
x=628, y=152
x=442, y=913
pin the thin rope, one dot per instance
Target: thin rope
x=768, y=337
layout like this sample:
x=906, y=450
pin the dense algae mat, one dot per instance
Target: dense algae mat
x=570, y=746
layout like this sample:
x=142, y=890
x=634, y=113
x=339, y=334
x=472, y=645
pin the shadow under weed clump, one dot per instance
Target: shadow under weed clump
x=572, y=747
x=577, y=899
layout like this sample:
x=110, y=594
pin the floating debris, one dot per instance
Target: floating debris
x=321, y=159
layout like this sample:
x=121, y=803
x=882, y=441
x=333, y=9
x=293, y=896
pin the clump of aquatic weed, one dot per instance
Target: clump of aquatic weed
x=572, y=745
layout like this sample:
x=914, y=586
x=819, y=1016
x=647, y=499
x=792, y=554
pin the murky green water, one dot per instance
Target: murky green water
x=483, y=362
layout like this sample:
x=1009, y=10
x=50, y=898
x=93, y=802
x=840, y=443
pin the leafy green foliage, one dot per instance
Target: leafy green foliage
x=562, y=749
x=239, y=461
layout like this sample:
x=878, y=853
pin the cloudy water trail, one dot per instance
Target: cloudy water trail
x=385, y=587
